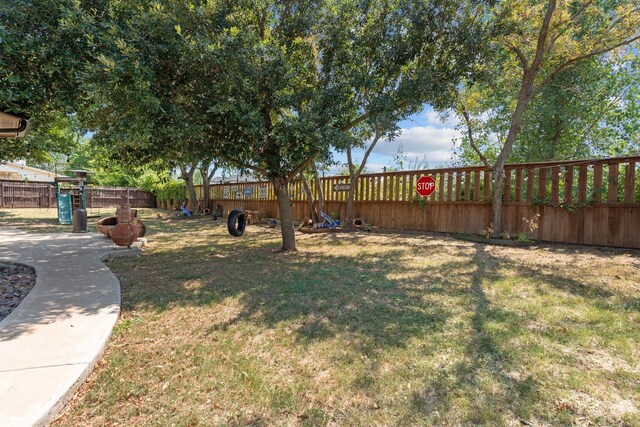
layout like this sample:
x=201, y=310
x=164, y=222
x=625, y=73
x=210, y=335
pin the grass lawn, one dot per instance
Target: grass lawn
x=364, y=329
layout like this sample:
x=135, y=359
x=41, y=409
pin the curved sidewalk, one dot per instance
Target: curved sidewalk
x=51, y=341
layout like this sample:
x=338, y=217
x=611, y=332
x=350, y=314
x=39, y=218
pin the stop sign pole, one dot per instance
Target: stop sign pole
x=425, y=186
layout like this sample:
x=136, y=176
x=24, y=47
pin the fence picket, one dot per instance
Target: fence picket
x=518, y=193
x=629, y=182
x=568, y=184
x=613, y=183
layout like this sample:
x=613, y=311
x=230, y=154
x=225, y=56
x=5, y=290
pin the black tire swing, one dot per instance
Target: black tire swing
x=236, y=222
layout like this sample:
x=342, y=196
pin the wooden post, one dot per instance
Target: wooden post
x=531, y=173
x=396, y=187
x=506, y=196
x=412, y=190
x=542, y=184
x=385, y=187
x=582, y=183
x=613, y=183
x=518, y=194
x=467, y=185
x=486, y=194
x=629, y=182
x=555, y=184
x=476, y=185
x=597, y=182
x=568, y=184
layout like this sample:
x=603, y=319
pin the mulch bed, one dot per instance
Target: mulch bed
x=16, y=280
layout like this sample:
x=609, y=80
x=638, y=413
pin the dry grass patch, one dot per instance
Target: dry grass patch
x=366, y=329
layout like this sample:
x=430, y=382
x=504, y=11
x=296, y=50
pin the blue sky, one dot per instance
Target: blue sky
x=423, y=134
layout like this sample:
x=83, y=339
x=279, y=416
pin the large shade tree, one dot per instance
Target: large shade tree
x=386, y=59
x=266, y=86
x=143, y=100
x=589, y=111
x=537, y=43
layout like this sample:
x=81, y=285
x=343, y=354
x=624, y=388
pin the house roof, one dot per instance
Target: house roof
x=18, y=172
x=234, y=179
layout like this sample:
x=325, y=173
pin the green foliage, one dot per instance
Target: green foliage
x=589, y=111
x=162, y=185
x=43, y=49
x=419, y=200
x=578, y=93
x=170, y=190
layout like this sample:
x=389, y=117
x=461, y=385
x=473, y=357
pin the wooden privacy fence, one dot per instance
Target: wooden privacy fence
x=595, y=202
x=103, y=197
x=26, y=194
x=42, y=195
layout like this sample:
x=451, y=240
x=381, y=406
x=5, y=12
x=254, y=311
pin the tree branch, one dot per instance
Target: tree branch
x=542, y=35
x=355, y=122
x=377, y=136
x=302, y=166
x=467, y=120
x=253, y=168
x=521, y=56
x=574, y=61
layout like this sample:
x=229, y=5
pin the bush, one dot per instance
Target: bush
x=170, y=190
x=162, y=185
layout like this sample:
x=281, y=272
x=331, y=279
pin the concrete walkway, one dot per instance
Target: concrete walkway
x=51, y=341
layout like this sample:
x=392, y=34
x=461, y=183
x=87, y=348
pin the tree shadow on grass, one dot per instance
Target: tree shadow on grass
x=323, y=295
x=494, y=369
x=486, y=369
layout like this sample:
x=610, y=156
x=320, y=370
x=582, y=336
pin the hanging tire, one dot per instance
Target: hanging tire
x=236, y=223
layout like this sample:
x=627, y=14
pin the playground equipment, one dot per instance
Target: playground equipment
x=71, y=196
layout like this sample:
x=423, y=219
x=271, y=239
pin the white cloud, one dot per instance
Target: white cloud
x=435, y=143
x=432, y=118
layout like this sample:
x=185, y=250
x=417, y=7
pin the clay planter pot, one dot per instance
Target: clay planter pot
x=124, y=234
x=106, y=224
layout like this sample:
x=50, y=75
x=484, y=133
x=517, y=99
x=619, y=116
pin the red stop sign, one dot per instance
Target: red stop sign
x=426, y=185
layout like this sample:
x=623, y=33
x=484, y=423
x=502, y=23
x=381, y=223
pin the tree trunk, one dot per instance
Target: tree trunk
x=526, y=92
x=315, y=217
x=281, y=187
x=319, y=190
x=206, y=183
x=187, y=176
x=524, y=96
x=206, y=193
x=354, y=173
x=496, y=203
x=353, y=179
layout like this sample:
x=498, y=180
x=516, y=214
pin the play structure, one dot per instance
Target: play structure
x=71, y=196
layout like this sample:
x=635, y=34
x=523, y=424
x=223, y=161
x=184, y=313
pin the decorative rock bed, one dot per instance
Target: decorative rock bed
x=16, y=280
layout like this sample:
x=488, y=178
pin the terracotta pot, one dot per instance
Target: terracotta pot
x=124, y=234
x=106, y=224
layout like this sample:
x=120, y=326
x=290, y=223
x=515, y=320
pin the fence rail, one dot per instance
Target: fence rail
x=41, y=195
x=594, y=201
